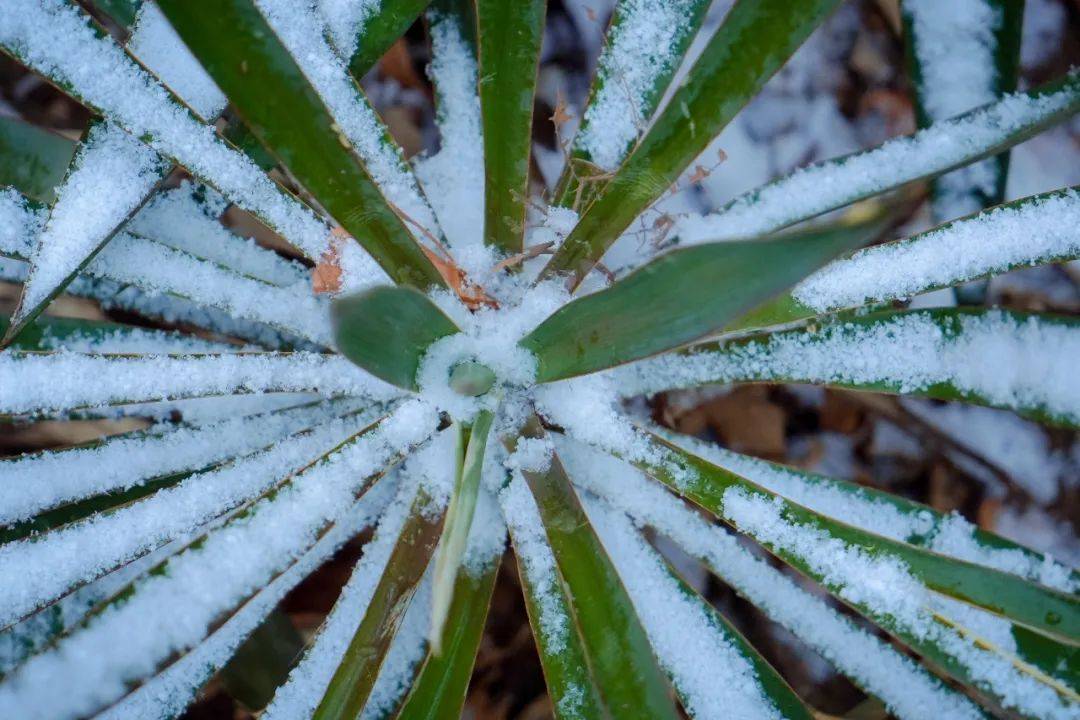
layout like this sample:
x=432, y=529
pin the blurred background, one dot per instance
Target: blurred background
x=845, y=90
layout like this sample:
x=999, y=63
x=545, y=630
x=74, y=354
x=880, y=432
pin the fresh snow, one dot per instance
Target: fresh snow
x=640, y=49
x=64, y=380
x=56, y=39
x=165, y=696
x=454, y=176
x=160, y=49
x=303, y=32
x=816, y=189
x=38, y=482
x=50, y=565
x=946, y=534
x=111, y=176
x=345, y=20
x=908, y=689
x=1040, y=230
x=885, y=588
x=1026, y=363
x=174, y=610
x=187, y=218
x=691, y=646
x=954, y=44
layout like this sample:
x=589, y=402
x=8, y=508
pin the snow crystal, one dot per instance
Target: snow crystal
x=63, y=380
x=954, y=44
x=57, y=40
x=186, y=218
x=303, y=32
x=166, y=695
x=50, y=565
x=454, y=177
x=885, y=588
x=691, y=646
x=42, y=481
x=174, y=610
x=157, y=268
x=852, y=504
x=160, y=49
x=907, y=688
x=816, y=189
x=1025, y=362
x=20, y=223
x=345, y=20
x=640, y=50
x=537, y=562
x=112, y=175
x=1043, y=229
x=307, y=682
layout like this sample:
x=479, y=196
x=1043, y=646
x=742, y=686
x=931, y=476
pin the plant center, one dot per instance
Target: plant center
x=471, y=378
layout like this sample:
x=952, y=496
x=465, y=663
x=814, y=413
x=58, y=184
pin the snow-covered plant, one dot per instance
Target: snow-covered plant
x=458, y=373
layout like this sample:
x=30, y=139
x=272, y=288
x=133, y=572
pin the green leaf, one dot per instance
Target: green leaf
x=772, y=683
x=937, y=251
x=1051, y=612
x=567, y=674
x=48, y=333
x=754, y=41
x=618, y=651
x=381, y=30
x=247, y=60
x=1005, y=39
x=354, y=678
x=1045, y=658
x=680, y=297
x=123, y=200
x=962, y=193
x=440, y=688
x=856, y=352
x=387, y=330
x=576, y=188
x=32, y=160
x=509, y=39
x=816, y=189
x=459, y=519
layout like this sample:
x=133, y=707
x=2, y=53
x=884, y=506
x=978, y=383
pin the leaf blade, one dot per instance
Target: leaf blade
x=386, y=331
x=645, y=313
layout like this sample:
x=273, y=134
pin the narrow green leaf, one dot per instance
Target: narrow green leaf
x=1046, y=659
x=459, y=518
x=868, y=353
x=569, y=679
x=32, y=160
x=680, y=297
x=941, y=257
x=48, y=333
x=927, y=36
x=354, y=678
x=754, y=41
x=772, y=683
x=584, y=173
x=386, y=331
x=440, y=688
x=1054, y=613
x=816, y=189
x=246, y=59
x=618, y=650
x=509, y=38
x=385, y=27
